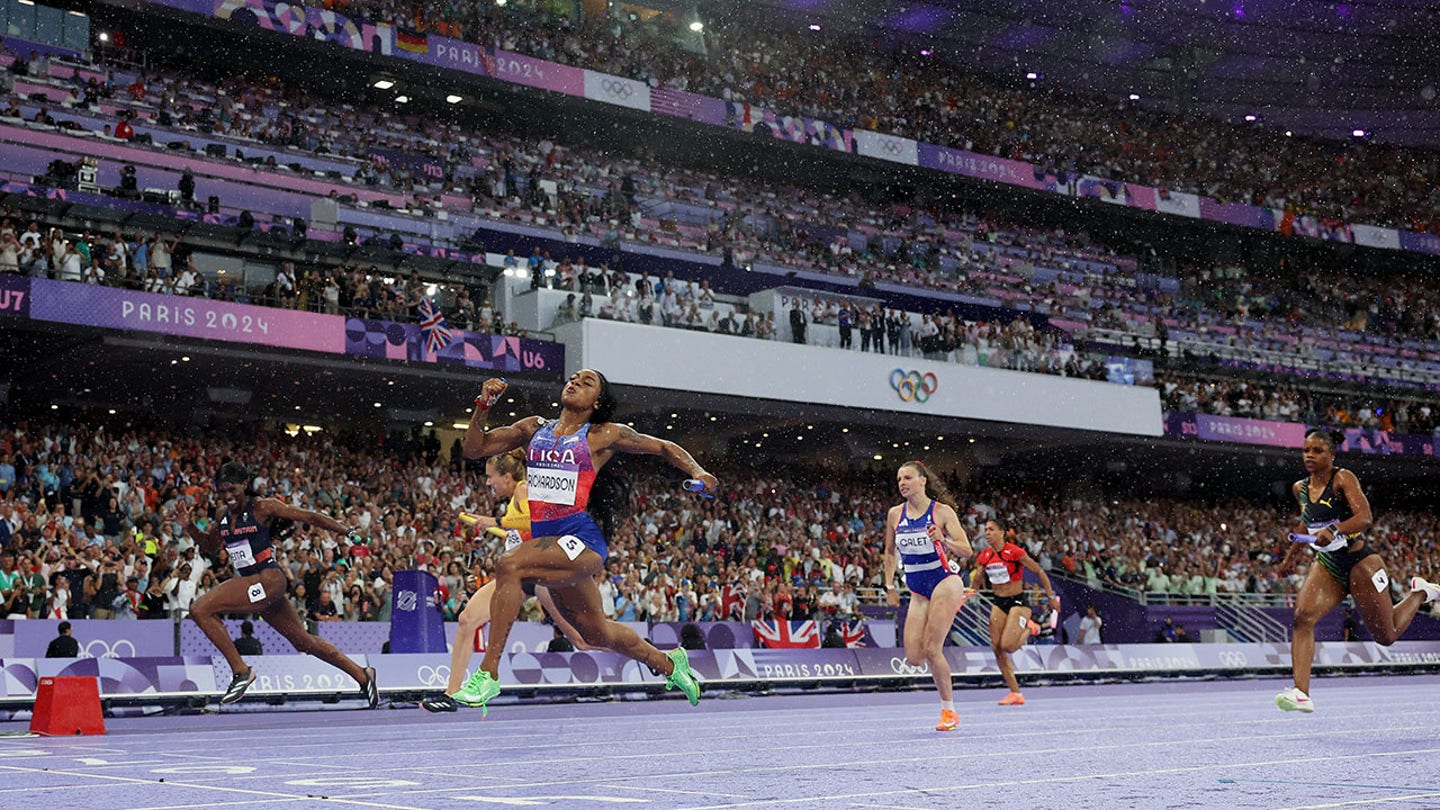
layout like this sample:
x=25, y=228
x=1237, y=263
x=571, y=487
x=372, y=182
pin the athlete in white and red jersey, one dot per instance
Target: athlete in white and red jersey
x=563, y=459
x=1003, y=564
x=919, y=532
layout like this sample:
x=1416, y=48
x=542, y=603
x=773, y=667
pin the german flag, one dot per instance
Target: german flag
x=412, y=41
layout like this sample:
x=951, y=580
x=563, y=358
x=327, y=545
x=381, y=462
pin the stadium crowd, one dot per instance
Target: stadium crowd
x=87, y=531
x=902, y=91
x=1365, y=325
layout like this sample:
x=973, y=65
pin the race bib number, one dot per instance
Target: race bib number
x=998, y=573
x=256, y=593
x=572, y=546
x=512, y=539
x=554, y=486
x=914, y=543
x=240, y=554
x=1380, y=580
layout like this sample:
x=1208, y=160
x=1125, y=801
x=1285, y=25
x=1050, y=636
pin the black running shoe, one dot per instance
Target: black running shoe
x=436, y=705
x=369, y=689
x=238, y=685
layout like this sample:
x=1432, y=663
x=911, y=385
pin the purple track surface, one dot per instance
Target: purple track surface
x=1372, y=743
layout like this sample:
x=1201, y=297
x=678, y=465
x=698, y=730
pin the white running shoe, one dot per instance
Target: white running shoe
x=1293, y=700
x=1431, y=590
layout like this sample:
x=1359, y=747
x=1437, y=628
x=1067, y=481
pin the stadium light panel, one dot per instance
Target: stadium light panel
x=1134, y=96
x=383, y=84
x=814, y=26
x=402, y=99
x=1032, y=75
x=697, y=26
x=453, y=99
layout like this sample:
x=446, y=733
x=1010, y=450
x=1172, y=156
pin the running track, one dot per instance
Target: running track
x=1373, y=743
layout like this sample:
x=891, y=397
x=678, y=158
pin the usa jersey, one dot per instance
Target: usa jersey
x=559, y=473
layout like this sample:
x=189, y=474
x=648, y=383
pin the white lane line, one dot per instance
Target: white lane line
x=672, y=790
x=241, y=803
x=1411, y=797
x=267, y=794
x=1059, y=779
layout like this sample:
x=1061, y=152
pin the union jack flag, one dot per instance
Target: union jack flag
x=856, y=634
x=432, y=323
x=780, y=634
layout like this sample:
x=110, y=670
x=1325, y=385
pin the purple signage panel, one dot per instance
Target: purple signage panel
x=419, y=166
x=88, y=305
x=1368, y=441
x=690, y=106
x=128, y=676
x=98, y=638
x=450, y=53
x=531, y=72
x=292, y=674
x=1247, y=216
x=406, y=341
x=15, y=295
x=1420, y=242
x=1249, y=431
x=984, y=167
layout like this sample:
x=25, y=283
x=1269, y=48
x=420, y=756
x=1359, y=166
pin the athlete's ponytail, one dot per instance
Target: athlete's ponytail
x=511, y=463
x=935, y=488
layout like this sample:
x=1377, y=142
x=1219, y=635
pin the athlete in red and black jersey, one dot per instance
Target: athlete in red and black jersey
x=1003, y=564
x=244, y=528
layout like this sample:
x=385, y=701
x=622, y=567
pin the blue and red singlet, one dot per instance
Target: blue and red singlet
x=559, y=473
x=925, y=561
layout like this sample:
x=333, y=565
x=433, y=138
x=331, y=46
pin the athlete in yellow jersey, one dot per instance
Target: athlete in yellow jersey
x=505, y=476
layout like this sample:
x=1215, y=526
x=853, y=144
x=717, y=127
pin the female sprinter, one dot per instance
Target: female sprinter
x=1335, y=511
x=243, y=528
x=563, y=457
x=505, y=476
x=921, y=529
x=1004, y=564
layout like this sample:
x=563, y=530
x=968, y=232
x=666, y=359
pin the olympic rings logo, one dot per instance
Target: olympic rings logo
x=912, y=386
x=890, y=147
x=110, y=650
x=617, y=88
x=433, y=676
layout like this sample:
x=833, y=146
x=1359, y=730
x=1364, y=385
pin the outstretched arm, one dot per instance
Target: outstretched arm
x=625, y=439
x=268, y=509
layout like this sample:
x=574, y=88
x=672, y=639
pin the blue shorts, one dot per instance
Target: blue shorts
x=924, y=583
x=580, y=525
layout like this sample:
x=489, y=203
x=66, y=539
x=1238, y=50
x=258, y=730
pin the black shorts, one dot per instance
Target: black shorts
x=1005, y=603
x=1340, y=563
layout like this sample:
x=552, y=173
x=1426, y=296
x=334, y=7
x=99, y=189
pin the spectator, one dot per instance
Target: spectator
x=247, y=643
x=63, y=645
x=1090, y=627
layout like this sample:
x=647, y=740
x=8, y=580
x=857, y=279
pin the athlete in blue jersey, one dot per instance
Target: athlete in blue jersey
x=924, y=532
x=563, y=461
x=1336, y=513
x=244, y=528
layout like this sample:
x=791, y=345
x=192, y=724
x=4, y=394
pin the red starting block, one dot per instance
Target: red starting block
x=67, y=705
